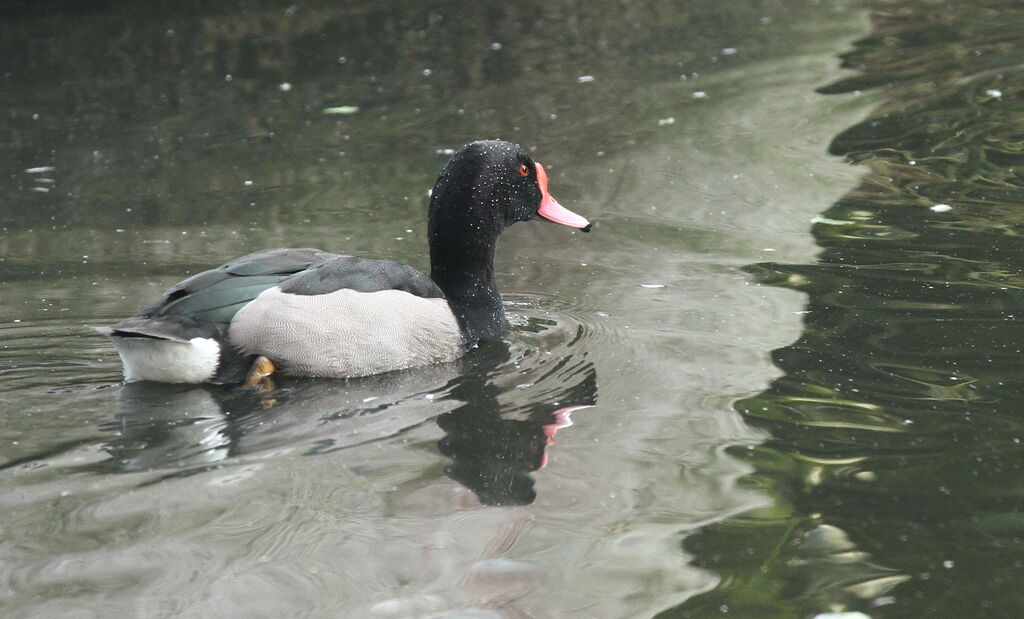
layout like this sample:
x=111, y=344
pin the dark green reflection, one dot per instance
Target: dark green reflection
x=895, y=451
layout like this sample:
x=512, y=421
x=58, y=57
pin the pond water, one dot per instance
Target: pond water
x=779, y=379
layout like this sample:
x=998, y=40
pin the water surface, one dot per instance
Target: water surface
x=895, y=452
x=556, y=473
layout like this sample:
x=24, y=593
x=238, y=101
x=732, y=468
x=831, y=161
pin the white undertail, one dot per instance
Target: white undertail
x=168, y=361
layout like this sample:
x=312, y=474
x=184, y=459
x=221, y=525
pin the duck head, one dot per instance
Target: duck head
x=489, y=185
x=484, y=188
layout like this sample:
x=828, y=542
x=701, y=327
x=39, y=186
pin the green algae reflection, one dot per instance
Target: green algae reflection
x=895, y=453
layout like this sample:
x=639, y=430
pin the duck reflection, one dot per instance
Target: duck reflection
x=496, y=428
x=493, y=456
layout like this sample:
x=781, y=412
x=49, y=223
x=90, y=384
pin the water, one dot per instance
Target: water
x=895, y=451
x=769, y=383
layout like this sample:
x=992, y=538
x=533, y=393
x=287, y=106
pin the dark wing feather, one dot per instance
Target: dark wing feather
x=215, y=296
x=361, y=275
x=219, y=300
x=202, y=305
x=277, y=261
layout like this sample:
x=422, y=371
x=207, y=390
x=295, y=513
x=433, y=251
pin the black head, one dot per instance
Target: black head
x=489, y=185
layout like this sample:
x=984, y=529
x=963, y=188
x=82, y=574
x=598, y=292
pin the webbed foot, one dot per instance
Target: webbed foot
x=259, y=378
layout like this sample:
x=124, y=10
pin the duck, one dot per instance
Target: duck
x=307, y=312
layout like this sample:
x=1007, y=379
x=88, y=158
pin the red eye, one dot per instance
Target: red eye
x=525, y=171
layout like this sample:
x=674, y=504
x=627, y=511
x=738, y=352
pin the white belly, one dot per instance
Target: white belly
x=347, y=333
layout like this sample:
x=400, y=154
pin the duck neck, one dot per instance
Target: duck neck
x=464, y=270
x=463, y=232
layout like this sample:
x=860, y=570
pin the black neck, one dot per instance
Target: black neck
x=465, y=273
x=462, y=246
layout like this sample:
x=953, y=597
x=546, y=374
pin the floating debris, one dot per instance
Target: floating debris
x=652, y=285
x=583, y=79
x=342, y=109
x=994, y=93
x=941, y=208
x=666, y=121
x=40, y=169
x=700, y=94
x=729, y=51
x=284, y=86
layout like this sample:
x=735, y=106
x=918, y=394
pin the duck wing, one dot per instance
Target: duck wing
x=203, y=304
x=211, y=298
x=360, y=275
